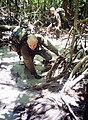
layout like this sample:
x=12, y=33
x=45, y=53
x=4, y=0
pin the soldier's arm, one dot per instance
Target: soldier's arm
x=46, y=43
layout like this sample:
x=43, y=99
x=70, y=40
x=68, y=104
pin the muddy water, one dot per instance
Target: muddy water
x=14, y=78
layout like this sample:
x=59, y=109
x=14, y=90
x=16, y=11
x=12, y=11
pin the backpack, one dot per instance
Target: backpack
x=18, y=35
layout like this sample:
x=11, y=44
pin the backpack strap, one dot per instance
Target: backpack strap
x=18, y=36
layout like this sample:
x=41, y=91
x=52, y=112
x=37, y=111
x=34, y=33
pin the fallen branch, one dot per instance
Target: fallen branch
x=70, y=109
x=72, y=82
x=76, y=68
x=6, y=27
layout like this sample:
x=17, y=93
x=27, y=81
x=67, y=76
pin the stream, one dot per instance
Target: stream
x=13, y=81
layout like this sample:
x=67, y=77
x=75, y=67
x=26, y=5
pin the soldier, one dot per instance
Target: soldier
x=55, y=21
x=35, y=46
x=32, y=45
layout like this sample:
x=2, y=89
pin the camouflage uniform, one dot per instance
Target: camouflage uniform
x=28, y=54
x=55, y=22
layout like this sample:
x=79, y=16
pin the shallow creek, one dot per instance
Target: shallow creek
x=13, y=81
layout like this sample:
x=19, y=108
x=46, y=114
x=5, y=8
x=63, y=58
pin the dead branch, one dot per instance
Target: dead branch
x=83, y=21
x=70, y=109
x=76, y=68
x=6, y=27
x=72, y=82
x=59, y=60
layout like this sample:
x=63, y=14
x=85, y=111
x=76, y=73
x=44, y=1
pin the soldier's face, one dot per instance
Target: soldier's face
x=52, y=11
x=32, y=45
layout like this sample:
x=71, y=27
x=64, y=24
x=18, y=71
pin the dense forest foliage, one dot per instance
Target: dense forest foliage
x=18, y=10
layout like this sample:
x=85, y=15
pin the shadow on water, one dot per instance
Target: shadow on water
x=13, y=79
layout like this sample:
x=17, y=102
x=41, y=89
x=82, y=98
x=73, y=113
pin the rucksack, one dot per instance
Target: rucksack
x=18, y=35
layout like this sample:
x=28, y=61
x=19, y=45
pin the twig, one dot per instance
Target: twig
x=70, y=110
x=69, y=33
x=78, y=66
x=72, y=82
x=76, y=80
x=19, y=87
